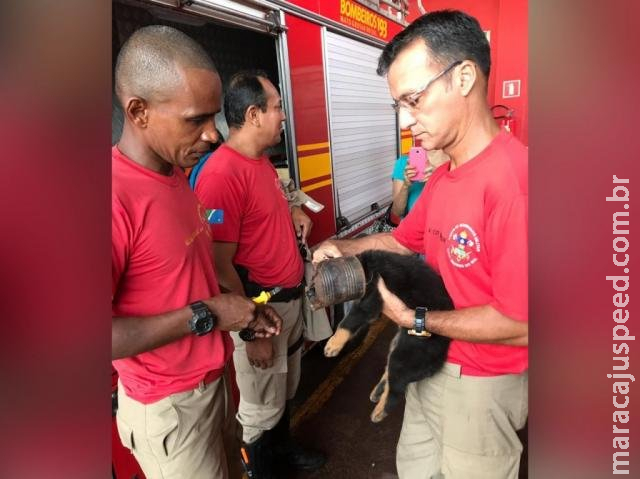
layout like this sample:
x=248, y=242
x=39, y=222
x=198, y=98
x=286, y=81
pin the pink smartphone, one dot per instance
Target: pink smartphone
x=418, y=159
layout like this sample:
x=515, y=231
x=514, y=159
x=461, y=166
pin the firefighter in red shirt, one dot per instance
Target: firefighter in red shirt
x=170, y=340
x=256, y=250
x=470, y=222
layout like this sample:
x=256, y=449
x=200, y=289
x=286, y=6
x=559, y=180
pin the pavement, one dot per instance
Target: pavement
x=331, y=411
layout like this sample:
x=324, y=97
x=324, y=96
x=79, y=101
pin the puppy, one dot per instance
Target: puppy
x=411, y=358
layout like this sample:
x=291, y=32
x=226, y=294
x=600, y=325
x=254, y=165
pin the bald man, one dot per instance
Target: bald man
x=170, y=341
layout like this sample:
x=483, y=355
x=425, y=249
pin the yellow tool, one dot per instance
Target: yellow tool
x=265, y=296
x=248, y=334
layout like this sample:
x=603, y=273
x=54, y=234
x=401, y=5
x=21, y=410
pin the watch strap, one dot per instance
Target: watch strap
x=419, y=325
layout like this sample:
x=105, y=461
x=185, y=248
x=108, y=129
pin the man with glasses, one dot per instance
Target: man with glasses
x=255, y=250
x=471, y=223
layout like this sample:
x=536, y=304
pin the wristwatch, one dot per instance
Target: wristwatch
x=202, y=319
x=419, y=323
x=247, y=335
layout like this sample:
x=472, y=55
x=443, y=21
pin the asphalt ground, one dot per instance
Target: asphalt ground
x=331, y=411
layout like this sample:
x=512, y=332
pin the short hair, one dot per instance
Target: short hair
x=244, y=90
x=449, y=35
x=148, y=62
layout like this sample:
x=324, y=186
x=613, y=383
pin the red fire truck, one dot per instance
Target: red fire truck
x=341, y=136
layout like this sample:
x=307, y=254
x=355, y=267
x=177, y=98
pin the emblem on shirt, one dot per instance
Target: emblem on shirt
x=463, y=246
x=215, y=217
x=203, y=227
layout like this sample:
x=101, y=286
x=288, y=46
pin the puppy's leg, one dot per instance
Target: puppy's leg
x=377, y=391
x=337, y=341
x=396, y=389
x=380, y=411
x=381, y=392
x=379, y=388
x=359, y=316
x=406, y=363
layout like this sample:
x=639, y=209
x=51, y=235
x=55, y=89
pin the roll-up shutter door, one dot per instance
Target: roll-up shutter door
x=362, y=125
x=241, y=13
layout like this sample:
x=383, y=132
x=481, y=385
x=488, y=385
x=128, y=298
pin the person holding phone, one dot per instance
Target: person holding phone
x=408, y=181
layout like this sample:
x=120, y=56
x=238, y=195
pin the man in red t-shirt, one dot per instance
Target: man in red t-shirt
x=471, y=224
x=170, y=341
x=256, y=250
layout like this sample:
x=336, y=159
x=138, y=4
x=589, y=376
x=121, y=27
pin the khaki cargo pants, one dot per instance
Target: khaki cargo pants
x=463, y=427
x=264, y=392
x=188, y=435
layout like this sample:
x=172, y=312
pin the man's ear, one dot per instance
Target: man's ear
x=137, y=111
x=467, y=77
x=251, y=115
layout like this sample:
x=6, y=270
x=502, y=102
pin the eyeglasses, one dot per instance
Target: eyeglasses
x=411, y=100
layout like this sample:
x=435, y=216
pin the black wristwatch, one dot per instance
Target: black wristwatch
x=419, y=325
x=202, y=319
x=247, y=335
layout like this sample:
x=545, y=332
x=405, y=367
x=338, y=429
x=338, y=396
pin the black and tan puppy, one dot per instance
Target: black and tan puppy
x=411, y=358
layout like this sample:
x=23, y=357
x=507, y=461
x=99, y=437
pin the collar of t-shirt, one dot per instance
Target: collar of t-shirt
x=254, y=161
x=171, y=180
x=500, y=139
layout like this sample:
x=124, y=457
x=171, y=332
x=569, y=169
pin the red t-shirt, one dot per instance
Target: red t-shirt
x=161, y=261
x=255, y=216
x=471, y=223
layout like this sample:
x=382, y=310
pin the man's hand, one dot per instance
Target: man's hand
x=301, y=222
x=393, y=307
x=326, y=250
x=267, y=323
x=234, y=312
x=260, y=353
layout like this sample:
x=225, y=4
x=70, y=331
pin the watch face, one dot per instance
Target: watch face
x=202, y=319
x=204, y=324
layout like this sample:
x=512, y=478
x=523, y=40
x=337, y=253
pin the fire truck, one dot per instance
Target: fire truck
x=341, y=136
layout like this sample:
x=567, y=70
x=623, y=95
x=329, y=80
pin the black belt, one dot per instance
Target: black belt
x=287, y=294
x=252, y=288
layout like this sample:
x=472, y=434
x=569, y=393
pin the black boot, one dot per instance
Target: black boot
x=257, y=458
x=286, y=449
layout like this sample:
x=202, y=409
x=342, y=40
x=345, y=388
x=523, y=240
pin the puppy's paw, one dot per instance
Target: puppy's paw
x=336, y=342
x=378, y=413
x=377, y=392
x=332, y=348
